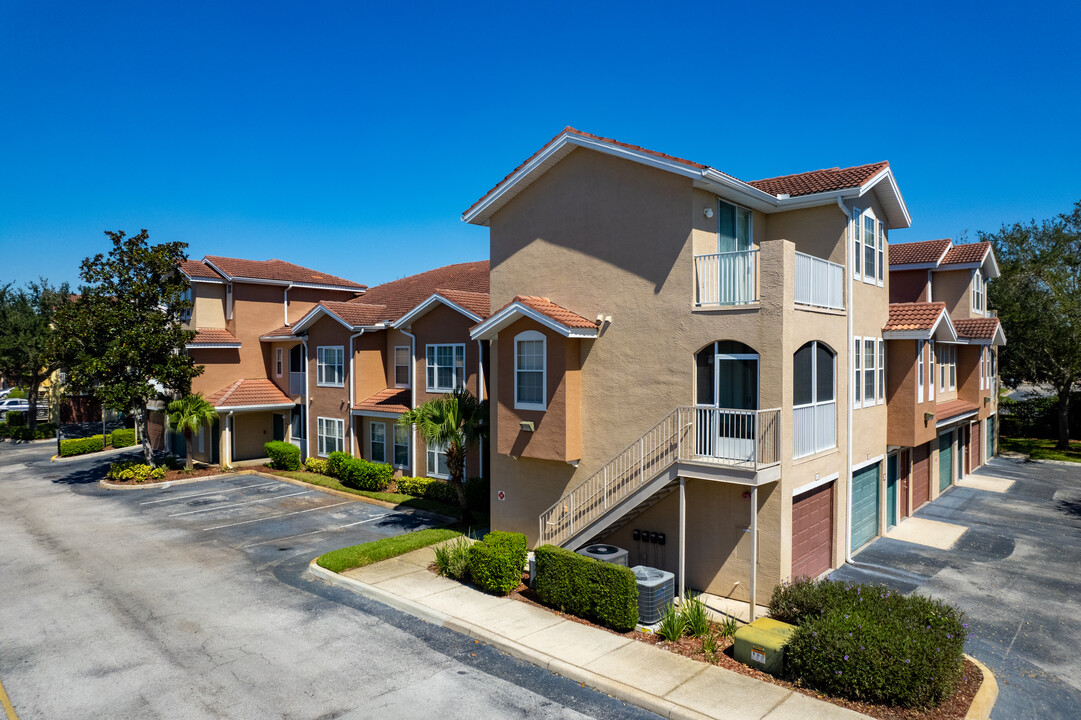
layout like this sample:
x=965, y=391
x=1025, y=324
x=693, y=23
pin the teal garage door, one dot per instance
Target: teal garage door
x=990, y=437
x=945, y=461
x=891, y=491
x=864, y=505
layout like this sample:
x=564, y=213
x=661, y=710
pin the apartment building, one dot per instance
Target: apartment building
x=691, y=366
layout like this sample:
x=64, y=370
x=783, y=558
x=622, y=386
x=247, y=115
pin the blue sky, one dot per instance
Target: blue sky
x=350, y=137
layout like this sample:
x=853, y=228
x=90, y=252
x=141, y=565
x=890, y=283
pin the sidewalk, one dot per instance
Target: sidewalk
x=659, y=681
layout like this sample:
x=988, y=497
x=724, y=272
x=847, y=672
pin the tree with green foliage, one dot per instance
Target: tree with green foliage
x=26, y=330
x=122, y=339
x=188, y=415
x=1038, y=299
x=458, y=422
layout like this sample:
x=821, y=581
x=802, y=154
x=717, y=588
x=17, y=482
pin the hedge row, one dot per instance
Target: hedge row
x=122, y=438
x=43, y=431
x=360, y=474
x=496, y=562
x=601, y=592
x=1037, y=417
x=283, y=455
x=95, y=443
x=869, y=643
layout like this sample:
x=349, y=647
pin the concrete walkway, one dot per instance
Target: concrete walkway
x=652, y=678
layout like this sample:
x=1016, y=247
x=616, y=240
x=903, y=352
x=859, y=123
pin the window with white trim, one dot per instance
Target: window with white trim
x=868, y=247
x=919, y=371
x=814, y=406
x=881, y=253
x=857, y=353
x=530, y=371
x=330, y=366
x=983, y=368
x=931, y=356
x=331, y=435
x=857, y=245
x=977, y=292
x=437, y=461
x=401, y=366
x=278, y=361
x=947, y=368
x=446, y=367
x=401, y=446
x=881, y=371
x=992, y=376
x=377, y=442
x=868, y=371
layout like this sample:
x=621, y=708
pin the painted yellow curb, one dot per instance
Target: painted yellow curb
x=981, y=706
x=5, y=701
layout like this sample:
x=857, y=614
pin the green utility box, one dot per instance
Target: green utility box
x=761, y=644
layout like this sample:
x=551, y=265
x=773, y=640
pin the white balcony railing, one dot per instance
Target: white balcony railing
x=729, y=278
x=814, y=428
x=297, y=383
x=819, y=282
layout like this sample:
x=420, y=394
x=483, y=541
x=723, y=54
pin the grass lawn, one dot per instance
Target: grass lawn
x=1038, y=449
x=368, y=553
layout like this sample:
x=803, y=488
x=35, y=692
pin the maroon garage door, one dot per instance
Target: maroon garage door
x=976, y=452
x=921, y=474
x=812, y=532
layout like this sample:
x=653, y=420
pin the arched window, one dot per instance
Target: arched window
x=814, y=399
x=530, y=371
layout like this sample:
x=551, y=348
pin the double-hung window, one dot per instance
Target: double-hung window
x=401, y=366
x=881, y=371
x=947, y=368
x=919, y=371
x=529, y=371
x=868, y=247
x=857, y=245
x=330, y=366
x=931, y=355
x=331, y=435
x=868, y=371
x=279, y=360
x=881, y=253
x=446, y=367
x=977, y=292
x=401, y=446
x=437, y=461
x=857, y=353
x=983, y=369
x=377, y=445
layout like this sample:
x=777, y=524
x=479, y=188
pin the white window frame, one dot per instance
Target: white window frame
x=321, y=365
x=856, y=244
x=983, y=370
x=977, y=291
x=432, y=351
x=932, y=365
x=881, y=397
x=401, y=432
x=868, y=244
x=532, y=336
x=371, y=441
x=434, y=450
x=919, y=371
x=817, y=402
x=408, y=367
x=322, y=427
x=857, y=393
x=871, y=370
x=881, y=252
x=279, y=361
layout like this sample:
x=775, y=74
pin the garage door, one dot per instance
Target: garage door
x=921, y=475
x=864, y=505
x=945, y=460
x=976, y=451
x=812, y=532
x=991, y=437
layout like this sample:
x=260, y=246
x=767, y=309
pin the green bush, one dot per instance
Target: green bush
x=122, y=438
x=600, y=592
x=16, y=418
x=16, y=393
x=43, y=431
x=81, y=446
x=316, y=465
x=334, y=463
x=132, y=470
x=3, y=430
x=283, y=455
x=869, y=643
x=496, y=562
x=425, y=487
x=364, y=475
x=452, y=558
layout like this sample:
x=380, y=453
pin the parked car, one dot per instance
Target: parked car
x=17, y=404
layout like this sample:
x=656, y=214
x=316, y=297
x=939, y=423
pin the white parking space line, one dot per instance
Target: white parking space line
x=175, y=498
x=272, y=517
x=250, y=502
x=316, y=532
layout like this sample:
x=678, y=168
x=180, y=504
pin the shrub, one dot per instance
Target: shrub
x=16, y=418
x=496, y=562
x=452, y=558
x=334, y=463
x=17, y=393
x=425, y=487
x=3, y=429
x=316, y=465
x=122, y=438
x=695, y=616
x=672, y=624
x=81, y=446
x=132, y=470
x=872, y=644
x=364, y=475
x=283, y=455
x=601, y=592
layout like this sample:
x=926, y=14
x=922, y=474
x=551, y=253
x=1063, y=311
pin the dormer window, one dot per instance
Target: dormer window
x=868, y=247
x=977, y=291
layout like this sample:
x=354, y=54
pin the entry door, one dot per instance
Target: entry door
x=906, y=477
x=279, y=427
x=891, y=491
x=945, y=460
x=737, y=391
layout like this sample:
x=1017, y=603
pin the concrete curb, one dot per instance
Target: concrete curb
x=186, y=481
x=634, y=696
x=28, y=442
x=986, y=696
x=94, y=455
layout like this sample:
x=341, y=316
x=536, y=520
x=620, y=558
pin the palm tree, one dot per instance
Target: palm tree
x=188, y=415
x=457, y=421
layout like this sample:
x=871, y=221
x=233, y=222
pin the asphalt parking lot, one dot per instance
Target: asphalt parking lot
x=1014, y=572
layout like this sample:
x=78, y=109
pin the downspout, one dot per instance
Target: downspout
x=851, y=390
x=754, y=552
x=307, y=402
x=480, y=396
x=412, y=397
x=352, y=390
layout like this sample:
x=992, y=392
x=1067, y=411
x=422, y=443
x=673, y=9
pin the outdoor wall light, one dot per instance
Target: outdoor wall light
x=928, y=417
x=526, y=425
x=709, y=212
x=986, y=399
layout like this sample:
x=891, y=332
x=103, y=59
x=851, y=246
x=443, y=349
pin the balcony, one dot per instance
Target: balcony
x=819, y=282
x=814, y=428
x=297, y=383
x=726, y=279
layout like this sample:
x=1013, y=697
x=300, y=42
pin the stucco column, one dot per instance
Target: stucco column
x=225, y=443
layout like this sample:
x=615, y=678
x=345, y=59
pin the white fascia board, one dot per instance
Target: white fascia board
x=887, y=174
x=952, y=337
x=254, y=408
x=915, y=266
x=278, y=338
x=956, y=419
x=210, y=281
x=938, y=332
x=433, y=300
x=290, y=283
x=211, y=346
x=726, y=186
x=491, y=327
x=990, y=273
x=217, y=269
x=906, y=334
x=313, y=315
x=375, y=413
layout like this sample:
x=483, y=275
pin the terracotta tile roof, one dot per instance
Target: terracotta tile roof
x=356, y=314
x=475, y=302
x=391, y=400
x=211, y=336
x=976, y=328
x=402, y=295
x=953, y=408
x=278, y=270
x=283, y=331
x=914, y=316
x=196, y=269
x=258, y=391
x=546, y=307
x=818, y=181
x=924, y=251
x=967, y=253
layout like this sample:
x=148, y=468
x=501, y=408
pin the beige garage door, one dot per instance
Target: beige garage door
x=812, y=532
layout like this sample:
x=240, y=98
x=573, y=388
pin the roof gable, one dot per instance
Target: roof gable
x=278, y=272
x=540, y=309
x=403, y=295
x=925, y=253
x=919, y=321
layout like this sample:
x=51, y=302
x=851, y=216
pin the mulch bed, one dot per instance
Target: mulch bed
x=174, y=475
x=955, y=708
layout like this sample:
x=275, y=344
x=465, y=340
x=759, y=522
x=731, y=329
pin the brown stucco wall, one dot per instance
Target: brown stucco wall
x=953, y=287
x=327, y=402
x=253, y=430
x=209, y=301
x=909, y=286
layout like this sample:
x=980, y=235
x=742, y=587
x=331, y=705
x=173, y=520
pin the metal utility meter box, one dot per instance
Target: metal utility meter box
x=761, y=644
